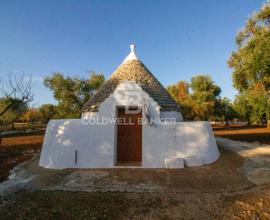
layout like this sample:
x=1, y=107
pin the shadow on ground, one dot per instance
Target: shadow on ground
x=216, y=191
x=221, y=176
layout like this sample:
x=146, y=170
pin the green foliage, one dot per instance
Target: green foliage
x=31, y=115
x=203, y=84
x=48, y=112
x=251, y=65
x=259, y=103
x=180, y=92
x=204, y=96
x=72, y=92
x=242, y=107
x=13, y=113
x=200, y=103
x=224, y=110
x=253, y=104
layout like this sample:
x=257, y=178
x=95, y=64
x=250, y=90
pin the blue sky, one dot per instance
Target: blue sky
x=174, y=39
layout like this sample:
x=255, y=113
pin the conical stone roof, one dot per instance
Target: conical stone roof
x=132, y=69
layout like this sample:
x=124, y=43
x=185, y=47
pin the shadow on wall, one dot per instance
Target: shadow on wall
x=95, y=144
x=64, y=137
x=179, y=140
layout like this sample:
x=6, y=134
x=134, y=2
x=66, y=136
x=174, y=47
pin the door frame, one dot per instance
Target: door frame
x=116, y=130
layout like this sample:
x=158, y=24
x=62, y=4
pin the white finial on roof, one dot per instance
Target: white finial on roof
x=132, y=47
x=132, y=55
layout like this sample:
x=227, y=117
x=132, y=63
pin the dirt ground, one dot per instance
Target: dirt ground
x=216, y=191
x=15, y=149
x=34, y=139
x=244, y=133
x=117, y=205
x=207, y=192
x=221, y=176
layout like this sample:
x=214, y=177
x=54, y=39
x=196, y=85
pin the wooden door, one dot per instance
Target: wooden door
x=129, y=137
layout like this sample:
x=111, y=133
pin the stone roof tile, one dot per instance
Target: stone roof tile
x=133, y=70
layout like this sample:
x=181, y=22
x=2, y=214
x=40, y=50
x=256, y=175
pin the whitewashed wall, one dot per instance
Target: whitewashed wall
x=171, y=114
x=96, y=143
x=180, y=140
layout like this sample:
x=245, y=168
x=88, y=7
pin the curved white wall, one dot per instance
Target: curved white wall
x=95, y=142
x=180, y=140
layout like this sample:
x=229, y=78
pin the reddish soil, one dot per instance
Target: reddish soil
x=252, y=203
x=16, y=149
x=244, y=133
x=22, y=140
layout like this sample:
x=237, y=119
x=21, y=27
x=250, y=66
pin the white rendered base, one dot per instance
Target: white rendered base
x=95, y=145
